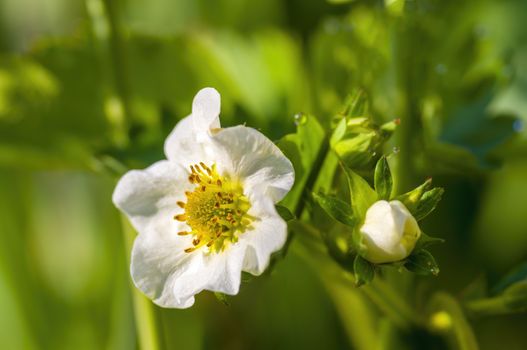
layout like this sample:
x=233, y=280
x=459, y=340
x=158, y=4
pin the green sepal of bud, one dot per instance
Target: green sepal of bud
x=425, y=241
x=362, y=195
x=411, y=199
x=357, y=150
x=387, y=129
x=336, y=208
x=428, y=203
x=356, y=104
x=364, y=271
x=422, y=263
x=383, y=179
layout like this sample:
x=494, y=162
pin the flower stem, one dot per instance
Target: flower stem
x=447, y=317
x=332, y=275
x=146, y=320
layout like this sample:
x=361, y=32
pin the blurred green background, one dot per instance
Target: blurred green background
x=90, y=88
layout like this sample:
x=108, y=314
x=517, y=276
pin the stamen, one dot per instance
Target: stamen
x=180, y=217
x=216, y=210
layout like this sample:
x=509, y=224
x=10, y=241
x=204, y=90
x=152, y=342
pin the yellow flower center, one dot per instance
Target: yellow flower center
x=216, y=211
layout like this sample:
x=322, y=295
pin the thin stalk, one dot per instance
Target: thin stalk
x=379, y=293
x=144, y=311
x=498, y=305
x=447, y=317
x=118, y=55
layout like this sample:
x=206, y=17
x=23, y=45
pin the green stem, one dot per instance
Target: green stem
x=391, y=303
x=144, y=311
x=118, y=55
x=325, y=177
x=499, y=305
x=350, y=305
x=379, y=292
x=447, y=317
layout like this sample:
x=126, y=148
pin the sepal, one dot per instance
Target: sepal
x=383, y=179
x=336, y=208
x=364, y=271
x=422, y=263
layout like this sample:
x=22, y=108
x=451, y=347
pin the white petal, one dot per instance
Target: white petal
x=158, y=258
x=206, y=109
x=150, y=196
x=268, y=236
x=171, y=278
x=255, y=160
x=217, y=272
x=380, y=227
x=189, y=141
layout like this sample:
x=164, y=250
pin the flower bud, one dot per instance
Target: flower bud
x=389, y=232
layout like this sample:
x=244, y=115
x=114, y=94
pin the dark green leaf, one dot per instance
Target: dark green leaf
x=428, y=203
x=512, y=300
x=422, y=263
x=383, y=179
x=516, y=275
x=336, y=208
x=362, y=195
x=364, y=271
x=516, y=296
x=284, y=212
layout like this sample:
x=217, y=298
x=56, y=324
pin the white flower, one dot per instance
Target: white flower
x=206, y=213
x=389, y=232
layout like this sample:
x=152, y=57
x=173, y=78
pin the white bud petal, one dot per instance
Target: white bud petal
x=389, y=232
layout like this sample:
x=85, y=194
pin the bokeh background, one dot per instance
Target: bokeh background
x=91, y=88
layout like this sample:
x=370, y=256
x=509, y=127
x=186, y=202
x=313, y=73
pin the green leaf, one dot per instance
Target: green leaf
x=512, y=300
x=383, y=179
x=515, y=297
x=362, y=195
x=364, y=271
x=428, y=203
x=336, y=208
x=425, y=241
x=411, y=199
x=516, y=275
x=422, y=263
x=284, y=212
x=303, y=149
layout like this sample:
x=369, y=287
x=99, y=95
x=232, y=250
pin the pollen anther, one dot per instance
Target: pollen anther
x=216, y=211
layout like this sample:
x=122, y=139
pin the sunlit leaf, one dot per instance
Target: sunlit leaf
x=336, y=208
x=284, y=212
x=383, y=179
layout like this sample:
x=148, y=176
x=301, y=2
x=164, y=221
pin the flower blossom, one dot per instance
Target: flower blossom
x=389, y=232
x=207, y=212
